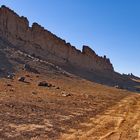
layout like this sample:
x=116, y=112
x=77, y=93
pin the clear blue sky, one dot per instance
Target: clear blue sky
x=110, y=27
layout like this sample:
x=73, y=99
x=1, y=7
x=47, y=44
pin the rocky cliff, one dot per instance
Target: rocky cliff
x=40, y=42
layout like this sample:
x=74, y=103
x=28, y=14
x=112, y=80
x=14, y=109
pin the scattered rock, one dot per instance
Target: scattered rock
x=27, y=75
x=119, y=87
x=57, y=87
x=44, y=84
x=65, y=94
x=10, y=75
x=35, y=93
x=12, y=90
x=9, y=85
x=116, y=86
x=26, y=67
x=21, y=79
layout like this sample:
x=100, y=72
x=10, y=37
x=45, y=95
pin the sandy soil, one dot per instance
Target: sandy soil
x=120, y=122
x=71, y=109
x=91, y=111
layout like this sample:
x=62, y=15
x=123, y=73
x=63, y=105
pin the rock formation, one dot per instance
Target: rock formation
x=40, y=42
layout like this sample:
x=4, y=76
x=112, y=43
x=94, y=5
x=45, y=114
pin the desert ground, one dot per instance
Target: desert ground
x=49, y=90
x=72, y=108
x=68, y=108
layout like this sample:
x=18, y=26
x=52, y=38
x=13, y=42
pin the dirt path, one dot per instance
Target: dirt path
x=121, y=122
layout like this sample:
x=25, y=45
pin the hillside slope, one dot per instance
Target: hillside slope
x=71, y=108
x=43, y=98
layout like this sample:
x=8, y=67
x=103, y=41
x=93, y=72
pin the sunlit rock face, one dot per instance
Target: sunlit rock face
x=40, y=42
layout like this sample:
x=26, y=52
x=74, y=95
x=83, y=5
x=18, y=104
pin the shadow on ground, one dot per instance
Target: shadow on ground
x=5, y=65
x=109, y=78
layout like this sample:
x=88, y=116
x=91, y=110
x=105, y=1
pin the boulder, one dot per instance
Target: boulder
x=44, y=84
x=10, y=75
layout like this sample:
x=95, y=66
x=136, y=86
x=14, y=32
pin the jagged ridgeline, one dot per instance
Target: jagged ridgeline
x=40, y=42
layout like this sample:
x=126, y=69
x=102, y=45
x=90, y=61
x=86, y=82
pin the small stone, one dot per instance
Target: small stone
x=44, y=84
x=12, y=90
x=21, y=79
x=50, y=85
x=34, y=93
x=27, y=75
x=57, y=87
x=9, y=85
x=64, y=94
x=10, y=75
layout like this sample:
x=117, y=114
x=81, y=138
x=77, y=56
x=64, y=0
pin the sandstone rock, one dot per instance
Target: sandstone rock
x=88, y=51
x=42, y=43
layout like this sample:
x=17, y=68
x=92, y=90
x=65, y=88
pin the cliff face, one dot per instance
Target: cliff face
x=40, y=42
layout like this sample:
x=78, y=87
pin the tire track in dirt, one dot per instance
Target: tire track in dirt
x=120, y=122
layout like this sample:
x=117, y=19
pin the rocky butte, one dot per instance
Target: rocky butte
x=40, y=42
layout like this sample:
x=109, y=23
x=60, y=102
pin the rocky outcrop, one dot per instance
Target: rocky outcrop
x=40, y=42
x=131, y=76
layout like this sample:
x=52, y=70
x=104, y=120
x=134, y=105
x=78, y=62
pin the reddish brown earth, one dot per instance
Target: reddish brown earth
x=91, y=112
x=80, y=104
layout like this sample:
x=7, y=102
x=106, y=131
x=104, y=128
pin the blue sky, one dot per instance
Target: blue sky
x=110, y=27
